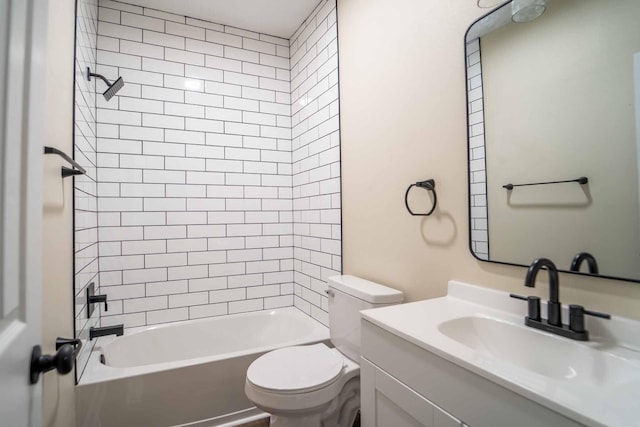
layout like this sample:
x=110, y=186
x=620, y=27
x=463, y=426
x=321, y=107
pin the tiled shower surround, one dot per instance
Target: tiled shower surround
x=218, y=166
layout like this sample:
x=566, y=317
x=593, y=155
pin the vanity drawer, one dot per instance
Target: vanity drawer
x=473, y=399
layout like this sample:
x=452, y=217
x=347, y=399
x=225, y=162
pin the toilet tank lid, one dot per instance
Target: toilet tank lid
x=365, y=290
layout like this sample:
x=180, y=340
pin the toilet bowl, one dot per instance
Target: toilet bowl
x=315, y=385
x=305, y=384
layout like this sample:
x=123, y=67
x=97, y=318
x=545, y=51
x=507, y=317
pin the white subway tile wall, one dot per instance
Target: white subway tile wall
x=477, y=160
x=198, y=190
x=86, y=188
x=315, y=159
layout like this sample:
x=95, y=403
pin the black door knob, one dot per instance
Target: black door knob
x=62, y=361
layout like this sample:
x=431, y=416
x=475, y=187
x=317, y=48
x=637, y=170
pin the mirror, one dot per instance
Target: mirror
x=554, y=134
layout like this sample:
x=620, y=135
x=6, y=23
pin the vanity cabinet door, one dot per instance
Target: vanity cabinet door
x=387, y=402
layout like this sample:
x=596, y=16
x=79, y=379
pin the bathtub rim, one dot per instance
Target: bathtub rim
x=96, y=372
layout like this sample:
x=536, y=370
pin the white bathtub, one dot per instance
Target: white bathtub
x=185, y=372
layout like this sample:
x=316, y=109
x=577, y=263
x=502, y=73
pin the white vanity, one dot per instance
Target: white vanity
x=468, y=360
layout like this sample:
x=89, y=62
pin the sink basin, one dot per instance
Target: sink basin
x=545, y=354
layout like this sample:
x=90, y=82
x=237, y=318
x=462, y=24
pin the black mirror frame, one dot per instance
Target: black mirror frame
x=470, y=241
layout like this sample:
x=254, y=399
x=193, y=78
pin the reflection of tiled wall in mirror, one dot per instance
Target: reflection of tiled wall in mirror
x=477, y=168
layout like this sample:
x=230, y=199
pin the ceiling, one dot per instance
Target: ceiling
x=279, y=18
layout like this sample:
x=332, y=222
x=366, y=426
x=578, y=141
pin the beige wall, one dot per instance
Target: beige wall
x=403, y=119
x=558, y=103
x=57, y=310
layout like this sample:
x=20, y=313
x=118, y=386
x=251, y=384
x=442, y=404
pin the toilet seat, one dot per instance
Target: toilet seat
x=331, y=370
x=297, y=369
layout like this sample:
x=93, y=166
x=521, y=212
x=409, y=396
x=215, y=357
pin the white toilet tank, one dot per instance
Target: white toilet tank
x=348, y=295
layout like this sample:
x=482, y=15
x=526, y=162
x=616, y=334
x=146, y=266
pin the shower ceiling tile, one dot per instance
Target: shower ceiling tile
x=256, y=15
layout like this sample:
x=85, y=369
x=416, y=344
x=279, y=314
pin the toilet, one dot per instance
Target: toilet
x=315, y=385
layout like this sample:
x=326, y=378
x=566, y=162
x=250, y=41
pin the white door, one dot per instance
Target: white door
x=22, y=83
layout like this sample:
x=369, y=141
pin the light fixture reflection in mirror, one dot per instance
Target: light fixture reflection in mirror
x=527, y=10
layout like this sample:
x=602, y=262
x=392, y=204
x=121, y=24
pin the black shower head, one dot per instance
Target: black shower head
x=112, y=88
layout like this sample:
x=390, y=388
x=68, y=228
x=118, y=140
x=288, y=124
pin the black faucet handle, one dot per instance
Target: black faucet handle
x=576, y=317
x=597, y=314
x=516, y=296
x=106, y=307
x=533, y=305
x=98, y=299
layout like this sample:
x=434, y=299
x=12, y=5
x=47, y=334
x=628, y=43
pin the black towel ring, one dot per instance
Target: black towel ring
x=429, y=185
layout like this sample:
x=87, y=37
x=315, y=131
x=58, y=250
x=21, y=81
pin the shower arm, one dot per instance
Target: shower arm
x=100, y=76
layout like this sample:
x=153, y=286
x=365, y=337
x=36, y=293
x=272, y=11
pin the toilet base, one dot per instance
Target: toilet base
x=340, y=412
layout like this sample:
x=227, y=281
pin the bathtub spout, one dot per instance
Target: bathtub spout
x=107, y=330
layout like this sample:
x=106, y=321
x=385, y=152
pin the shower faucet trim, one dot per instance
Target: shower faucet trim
x=117, y=330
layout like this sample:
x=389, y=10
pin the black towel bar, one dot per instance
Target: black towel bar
x=581, y=180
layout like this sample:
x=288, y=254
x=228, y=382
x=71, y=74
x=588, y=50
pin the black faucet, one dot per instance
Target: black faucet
x=584, y=256
x=575, y=329
x=116, y=330
x=97, y=299
x=94, y=299
x=553, y=305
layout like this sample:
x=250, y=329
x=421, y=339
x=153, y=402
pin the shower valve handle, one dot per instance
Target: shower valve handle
x=98, y=299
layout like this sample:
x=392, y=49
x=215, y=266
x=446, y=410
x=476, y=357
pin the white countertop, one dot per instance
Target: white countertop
x=593, y=403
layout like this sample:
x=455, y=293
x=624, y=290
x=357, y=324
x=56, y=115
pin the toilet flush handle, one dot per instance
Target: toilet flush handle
x=329, y=293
